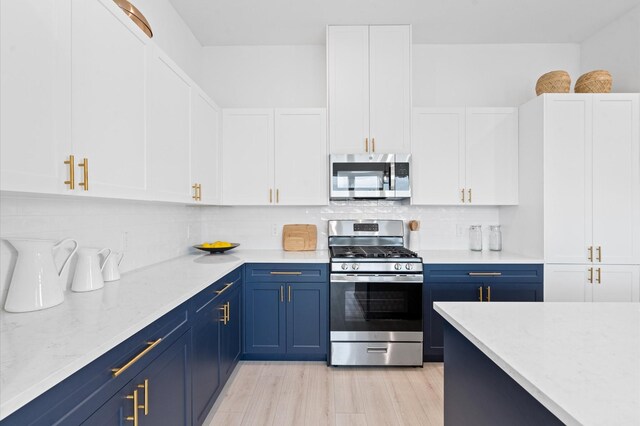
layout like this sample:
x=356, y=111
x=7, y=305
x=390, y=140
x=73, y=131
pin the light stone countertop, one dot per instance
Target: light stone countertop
x=580, y=360
x=468, y=256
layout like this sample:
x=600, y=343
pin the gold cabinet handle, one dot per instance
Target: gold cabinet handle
x=590, y=275
x=599, y=276
x=289, y=294
x=195, y=191
x=145, y=406
x=599, y=251
x=590, y=249
x=277, y=196
x=480, y=290
x=281, y=294
x=85, y=172
x=469, y=192
x=118, y=371
x=285, y=273
x=485, y=274
x=199, y=192
x=489, y=294
x=270, y=195
x=228, y=304
x=373, y=144
x=226, y=287
x=462, y=195
x=71, y=162
x=134, y=418
x=366, y=144
x=224, y=314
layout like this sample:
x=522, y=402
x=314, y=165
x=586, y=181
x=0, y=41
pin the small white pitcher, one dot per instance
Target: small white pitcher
x=88, y=274
x=36, y=283
x=110, y=271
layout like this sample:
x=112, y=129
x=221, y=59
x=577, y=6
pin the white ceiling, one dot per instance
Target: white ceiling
x=274, y=22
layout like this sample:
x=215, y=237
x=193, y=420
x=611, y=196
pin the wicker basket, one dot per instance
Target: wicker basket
x=598, y=81
x=554, y=82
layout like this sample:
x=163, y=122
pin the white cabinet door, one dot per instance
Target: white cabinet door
x=168, y=129
x=567, y=283
x=35, y=117
x=437, y=154
x=616, y=178
x=205, y=147
x=390, y=88
x=492, y=156
x=567, y=178
x=247, y=150
x=109, y=74
x=301, y=160
x=616, y=283
x=348, y=81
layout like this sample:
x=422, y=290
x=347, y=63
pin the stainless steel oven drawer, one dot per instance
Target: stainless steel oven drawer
x=376, y=353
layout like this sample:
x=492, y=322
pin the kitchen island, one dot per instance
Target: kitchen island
x=542, y=363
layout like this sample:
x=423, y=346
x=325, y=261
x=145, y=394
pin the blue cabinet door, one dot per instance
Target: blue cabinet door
x=433, y=322
x=264, y=316
x=116, y=410
x=509, y=292
x=230, y=342
x=307, y=317
x=205, y=359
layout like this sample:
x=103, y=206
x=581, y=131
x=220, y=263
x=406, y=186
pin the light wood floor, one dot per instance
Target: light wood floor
x=310, y=393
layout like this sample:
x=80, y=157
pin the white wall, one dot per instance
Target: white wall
x=443, y=75
x=616, y=48
x=173, y=36
x=147, y=232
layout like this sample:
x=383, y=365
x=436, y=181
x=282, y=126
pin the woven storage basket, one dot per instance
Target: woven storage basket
x=598, y=81
x=554, y=82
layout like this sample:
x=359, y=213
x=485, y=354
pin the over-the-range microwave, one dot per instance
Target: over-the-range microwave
x=370, y=176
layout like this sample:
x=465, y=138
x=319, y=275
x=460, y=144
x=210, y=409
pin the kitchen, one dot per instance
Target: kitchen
x=247, y=80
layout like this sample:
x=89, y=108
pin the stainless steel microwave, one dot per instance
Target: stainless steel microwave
x=370, y=176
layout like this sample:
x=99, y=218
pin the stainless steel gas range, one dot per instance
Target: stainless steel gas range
x=376, y=295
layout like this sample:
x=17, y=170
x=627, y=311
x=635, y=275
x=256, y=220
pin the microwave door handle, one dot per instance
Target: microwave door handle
x=392, y=178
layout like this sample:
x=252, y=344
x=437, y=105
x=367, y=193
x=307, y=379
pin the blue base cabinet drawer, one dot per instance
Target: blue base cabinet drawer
x=473, y=283
x=286, y=315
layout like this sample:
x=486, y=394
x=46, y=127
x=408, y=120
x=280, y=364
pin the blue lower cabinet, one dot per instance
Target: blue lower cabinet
x=230, y=334
x=473, y=283
x=307, y=318
x=265, y=314
x=162, y=392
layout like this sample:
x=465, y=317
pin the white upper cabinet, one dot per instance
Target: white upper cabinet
x=109, y=81
x=592, y=179
x=301, y=160
x=369, y=84
x=465, y=156
x=591, y=283
x=168, y=131
x=247, y=150
x=205, y=149
x=281, y=162
x=35, y=95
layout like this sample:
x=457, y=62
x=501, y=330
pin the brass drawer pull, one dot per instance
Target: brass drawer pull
x=590, y=249
x=119, y=371
x=489, y=294
x=469, y=191
x=277, y=196
x=373, y=144
x=366, y=144
x=590, y=275
x=226, y=287
x=134, y=418
x=599, y=276
x=485, y=274
x=599, y=251
x=270, y=195
x=285, y=273
x=462, y=195
x=224, y=314
x=281, y=293
x=72, y=172
x=145, y=386
x=195, y=191
x=480, y=297
x=85, y=167
x=289, y=294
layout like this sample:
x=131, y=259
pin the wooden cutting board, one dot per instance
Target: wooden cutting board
x=299, y=237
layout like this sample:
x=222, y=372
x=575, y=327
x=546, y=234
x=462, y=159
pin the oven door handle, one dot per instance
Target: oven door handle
x=371, y=278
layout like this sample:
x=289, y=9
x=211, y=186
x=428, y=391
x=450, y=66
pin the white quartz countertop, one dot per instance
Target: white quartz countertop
x=468, y=256
x=40, y=349
x=580, y=360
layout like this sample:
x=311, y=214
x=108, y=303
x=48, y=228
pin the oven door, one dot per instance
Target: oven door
x=355, y=176
x=376, y=307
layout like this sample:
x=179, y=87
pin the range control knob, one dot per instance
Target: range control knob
x=355, y=266
x=397, y=266
x=344, y=266
x=409, y=266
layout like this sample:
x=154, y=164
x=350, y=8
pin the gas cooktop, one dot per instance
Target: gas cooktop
x=371, y=252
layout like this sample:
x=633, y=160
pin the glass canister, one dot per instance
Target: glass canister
x=475, y=238
x=495, y=238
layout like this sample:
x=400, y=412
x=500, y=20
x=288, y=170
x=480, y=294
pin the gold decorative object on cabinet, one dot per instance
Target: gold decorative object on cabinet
x=136, y=16
x=145, y=386
x=134, y=418
x=598, y=81
x=118, y=371
x=553, y=82
x=71, y=162
x=85, y=172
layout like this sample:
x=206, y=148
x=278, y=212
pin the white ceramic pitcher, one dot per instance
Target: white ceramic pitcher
x=88, y=274
x=110, y=271
x=36, y=282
